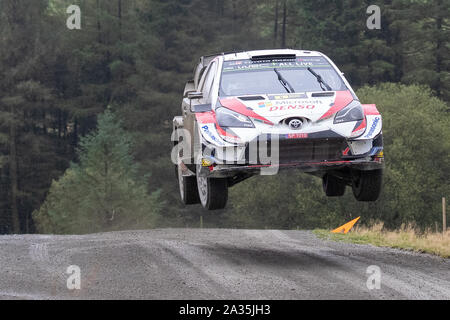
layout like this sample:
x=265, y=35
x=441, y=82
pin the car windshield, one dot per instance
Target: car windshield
x=247, y=77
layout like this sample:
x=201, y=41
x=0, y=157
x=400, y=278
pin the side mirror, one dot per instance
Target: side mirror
x=190, y=87
x=194, y=95
x=199, y=108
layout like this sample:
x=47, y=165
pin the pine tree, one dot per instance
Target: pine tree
x=103, y=192
x=25, y=100
x=423, y=29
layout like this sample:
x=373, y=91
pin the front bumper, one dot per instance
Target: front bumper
x=230, y=170
x=308, y=155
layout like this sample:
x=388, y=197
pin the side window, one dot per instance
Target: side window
x=201, y=78
x=197, y=75
x=208, y=82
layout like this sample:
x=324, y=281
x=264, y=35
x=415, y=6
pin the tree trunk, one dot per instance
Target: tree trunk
x=220, y=8
x=275, y=29
x=99, y=26
x=59, y=123
x=439, y=45
x=234, y=22
x=119, y=14
x=75, y=135
x=283, y=40
x=14, y=177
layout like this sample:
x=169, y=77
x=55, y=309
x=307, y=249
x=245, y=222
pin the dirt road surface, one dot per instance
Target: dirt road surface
x=213, y=264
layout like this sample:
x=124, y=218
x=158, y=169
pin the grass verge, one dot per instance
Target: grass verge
x=406, y=239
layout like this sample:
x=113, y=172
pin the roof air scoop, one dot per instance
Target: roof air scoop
x=274, y=57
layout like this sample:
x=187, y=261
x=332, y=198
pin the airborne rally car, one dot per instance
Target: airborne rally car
x=250, y=113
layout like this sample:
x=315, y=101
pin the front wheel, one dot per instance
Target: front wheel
x=213, y=192
x=367, y=185
x=332, y=186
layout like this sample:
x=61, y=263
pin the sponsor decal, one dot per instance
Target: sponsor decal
x=377, y=151
x=208, y=132
x=300, y=62
x=373, y=127
x=297, y=136
x=292, y=107
x=303, y=102
x=265, y=104
x=206, y=162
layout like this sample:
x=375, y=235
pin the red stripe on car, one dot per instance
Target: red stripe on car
x=225, y=133
x=343, y=99
x=346, y=151
x=206, y=117
x=325, y=163
x=361, y=126
x=370, y=110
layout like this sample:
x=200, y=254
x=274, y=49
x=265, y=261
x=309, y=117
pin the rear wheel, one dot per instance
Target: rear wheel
x=367, y=185
x=188, y=188
x=186, y=185
x=213, y=192
x=332, y=186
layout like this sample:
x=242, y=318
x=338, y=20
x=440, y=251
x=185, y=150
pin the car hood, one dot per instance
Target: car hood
x=271, y=109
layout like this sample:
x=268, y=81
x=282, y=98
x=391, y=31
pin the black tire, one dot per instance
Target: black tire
x=188, y=189
x=175, y=143
x=187, y=186
x=332, y=186
x=213, y=193
x=367, y=185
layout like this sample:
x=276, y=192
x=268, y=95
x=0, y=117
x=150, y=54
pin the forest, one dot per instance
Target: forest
x=86, y=115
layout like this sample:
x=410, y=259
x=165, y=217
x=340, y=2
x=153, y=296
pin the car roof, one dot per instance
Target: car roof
x=273, y=52
x=243, y=55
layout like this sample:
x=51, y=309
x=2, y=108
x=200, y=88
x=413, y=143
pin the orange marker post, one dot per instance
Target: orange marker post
x=346, y=227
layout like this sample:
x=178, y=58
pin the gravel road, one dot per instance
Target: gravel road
x=213, y=264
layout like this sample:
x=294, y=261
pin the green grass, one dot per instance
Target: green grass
x=404, y=239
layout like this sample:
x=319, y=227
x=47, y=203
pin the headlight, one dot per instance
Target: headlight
x=352, y=112
x=228, y=118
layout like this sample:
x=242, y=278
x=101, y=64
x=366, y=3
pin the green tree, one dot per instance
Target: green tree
x=338, y=29
x=103, y=192
x=422, y=44
x=28, y=147
x=416, y=128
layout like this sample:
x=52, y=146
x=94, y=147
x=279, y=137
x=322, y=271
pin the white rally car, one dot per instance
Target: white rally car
x=256, y=112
